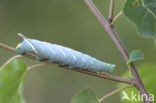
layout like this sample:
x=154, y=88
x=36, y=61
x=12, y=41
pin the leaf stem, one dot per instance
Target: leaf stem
x=142, y=1
x=111, y=11
x=37, y=65
x=117, y=17
x=114, y=92
x=17, y=56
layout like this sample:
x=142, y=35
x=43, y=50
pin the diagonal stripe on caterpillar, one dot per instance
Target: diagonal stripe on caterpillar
x=62, y=55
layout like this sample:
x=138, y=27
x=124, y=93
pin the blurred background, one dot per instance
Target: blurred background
x=69, y=23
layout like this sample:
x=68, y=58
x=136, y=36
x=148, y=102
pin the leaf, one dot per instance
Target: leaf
x=147, y=72
x=85, y=96
x=136, y=55
x=11, y=82
x=143, y=14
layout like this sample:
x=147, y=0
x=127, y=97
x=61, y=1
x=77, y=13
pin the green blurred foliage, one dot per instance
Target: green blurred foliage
x=11, y=82
x=143, y=14
x=85, y=96
x=147, y=73
x=69, y=23
x=135, y=55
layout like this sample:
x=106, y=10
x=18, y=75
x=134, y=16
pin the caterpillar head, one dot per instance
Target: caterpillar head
x=26, y=46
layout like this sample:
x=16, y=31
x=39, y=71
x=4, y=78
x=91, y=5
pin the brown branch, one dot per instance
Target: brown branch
x=114, y=92
x=111, y=11
x=114, y=36
x=100, y=75
x=7, y=47
x=108, y=28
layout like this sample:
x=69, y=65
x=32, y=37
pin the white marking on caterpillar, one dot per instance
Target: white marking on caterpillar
x=52, y=51
x=31, y=46
x=73, y=55
x=62, y=52
x=83, y=59
x=92, y=64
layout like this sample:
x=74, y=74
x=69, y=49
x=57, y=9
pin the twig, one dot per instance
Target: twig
x=17, y=56
x=7, y=47
x=114, y=36
x=114, y=92
x=100, y=75
x=117, y=17
x=37, y=65
x=104, y=75
x=111, y=11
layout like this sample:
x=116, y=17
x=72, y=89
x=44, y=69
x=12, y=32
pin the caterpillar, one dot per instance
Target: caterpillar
x=62, y=55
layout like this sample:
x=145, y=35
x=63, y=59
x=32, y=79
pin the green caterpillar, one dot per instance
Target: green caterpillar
x=62, y=55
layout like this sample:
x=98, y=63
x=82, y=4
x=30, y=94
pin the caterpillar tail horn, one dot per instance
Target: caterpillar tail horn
x=21, y=35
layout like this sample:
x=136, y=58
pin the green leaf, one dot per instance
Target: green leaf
x=11, y=82
x=143, y=14
x=147, y=72
x=85, y=96
x=136, y=55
